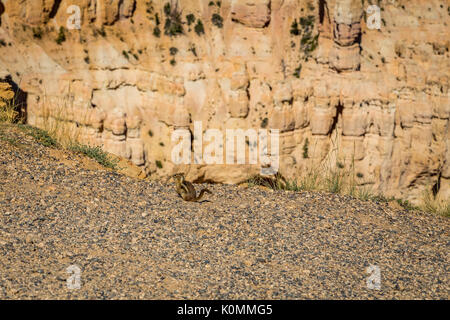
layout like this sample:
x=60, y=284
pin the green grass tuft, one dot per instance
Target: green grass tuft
x=41, y=136
x=95, y=153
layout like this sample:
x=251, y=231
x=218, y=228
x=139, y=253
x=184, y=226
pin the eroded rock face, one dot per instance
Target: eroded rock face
x=130, y=76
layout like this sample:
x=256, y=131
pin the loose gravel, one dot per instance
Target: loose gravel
x=136, y=239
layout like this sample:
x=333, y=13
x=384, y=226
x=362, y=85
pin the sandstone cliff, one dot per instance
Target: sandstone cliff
x=136, y=70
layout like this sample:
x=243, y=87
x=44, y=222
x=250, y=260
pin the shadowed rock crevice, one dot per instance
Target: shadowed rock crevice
x=2, y=10
x=339, y=109
x=437, y=185
x=55, y=9
x=20, y=98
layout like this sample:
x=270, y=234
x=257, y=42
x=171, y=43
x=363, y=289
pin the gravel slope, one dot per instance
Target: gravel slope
x=137, y=239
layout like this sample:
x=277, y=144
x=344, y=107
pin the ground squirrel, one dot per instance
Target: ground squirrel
x=186, y=189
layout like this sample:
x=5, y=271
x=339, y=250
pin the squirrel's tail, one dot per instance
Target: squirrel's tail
x=202, y=193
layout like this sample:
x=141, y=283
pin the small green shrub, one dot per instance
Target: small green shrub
x=37, y=33
x=150, y=8
x=61, y=36
x=102, y=32
x=156, y=32
x=190, y=18
x=307, y=22
x=297, y=71
x=264, y=123
x=308, y=42
x=199, y=29
x=173, y=51
x=193, y=50
x=217, y=20
x=159, y=164
x=173, y=25
x=167, y=9
x=294, y=28
x=306, y=149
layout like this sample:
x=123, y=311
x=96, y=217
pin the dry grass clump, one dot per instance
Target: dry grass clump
x=435, y=204
x=8, y=106
x=335, y=176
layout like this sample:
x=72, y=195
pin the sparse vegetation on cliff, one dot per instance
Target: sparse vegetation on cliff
x=297, y=71
x=294, y=28
x=37, y=33
x=61, y=36
x=173, y=51
x=190, y=18
x=102, y=31
x=308, y=41
x=306, y=149
x=264, y=123
x=217, y=20
x=193, y=50
x=173, y=25
x=199, y=29
x=156, y=32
